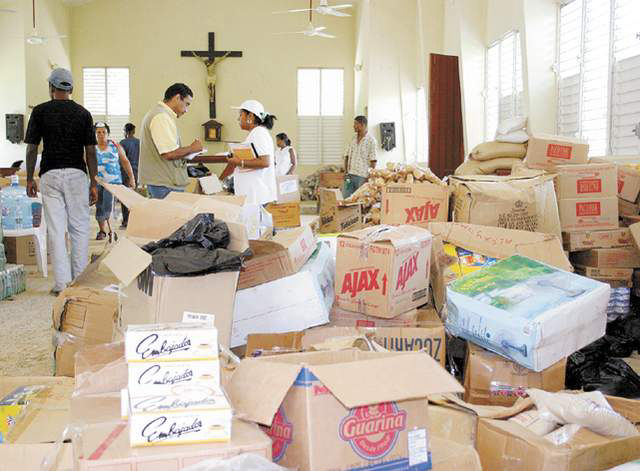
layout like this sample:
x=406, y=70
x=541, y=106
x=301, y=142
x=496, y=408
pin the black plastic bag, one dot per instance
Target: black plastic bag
x=198, y=171
x=197, y=248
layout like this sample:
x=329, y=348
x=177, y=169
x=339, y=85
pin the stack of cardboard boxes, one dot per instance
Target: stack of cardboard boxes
x=286, y=210
x=174, y=394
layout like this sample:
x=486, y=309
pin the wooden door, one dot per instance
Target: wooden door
x=446, y=138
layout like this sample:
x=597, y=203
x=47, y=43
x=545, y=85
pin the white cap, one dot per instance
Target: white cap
x=254, y=106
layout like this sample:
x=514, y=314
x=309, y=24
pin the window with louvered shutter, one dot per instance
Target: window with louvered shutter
x=625, y=96
x=504, y=97
x=598, y=70
x=107, y=97
x=320, y=116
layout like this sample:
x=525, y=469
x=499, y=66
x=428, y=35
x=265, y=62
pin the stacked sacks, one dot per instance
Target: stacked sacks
x=507, y=150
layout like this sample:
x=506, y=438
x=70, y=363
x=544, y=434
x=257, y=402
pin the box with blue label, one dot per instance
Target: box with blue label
x=527, y=311
x=344, y=409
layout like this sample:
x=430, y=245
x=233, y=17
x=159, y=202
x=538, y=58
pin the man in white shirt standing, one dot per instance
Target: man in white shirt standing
x=360, y=157
x=163, y=167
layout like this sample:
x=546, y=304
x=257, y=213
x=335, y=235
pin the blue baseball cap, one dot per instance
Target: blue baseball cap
x=61, y=79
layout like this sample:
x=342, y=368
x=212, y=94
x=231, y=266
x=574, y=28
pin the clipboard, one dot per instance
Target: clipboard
x=243, y=151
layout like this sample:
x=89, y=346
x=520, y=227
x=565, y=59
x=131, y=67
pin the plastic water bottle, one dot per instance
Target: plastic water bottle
x=10, y=205
x=25, y=208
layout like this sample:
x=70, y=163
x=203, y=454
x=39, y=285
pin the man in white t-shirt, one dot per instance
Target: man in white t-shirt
x=361, y=156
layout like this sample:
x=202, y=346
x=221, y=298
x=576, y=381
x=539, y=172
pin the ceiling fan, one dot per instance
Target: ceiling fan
x=34, y=38
x=311, y=30
x=324, y=9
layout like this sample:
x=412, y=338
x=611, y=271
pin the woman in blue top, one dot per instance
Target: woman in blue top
x=110, y=157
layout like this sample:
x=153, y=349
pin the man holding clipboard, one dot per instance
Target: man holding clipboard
x=252, y=162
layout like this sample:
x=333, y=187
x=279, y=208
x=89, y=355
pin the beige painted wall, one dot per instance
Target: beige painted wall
x=12, y=77
x=148, y=36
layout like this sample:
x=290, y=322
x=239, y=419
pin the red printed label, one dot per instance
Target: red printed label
x=359, y=281
x=363, y=323
x=281, y=433
x=558, y=151
x=407, y=270
x=425, y=212
x=590, y=208
x=372, y=431
x=589, y=185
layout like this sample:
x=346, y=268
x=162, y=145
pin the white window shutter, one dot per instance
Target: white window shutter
x=320, y=116
x=569, y=69
x=107, y=97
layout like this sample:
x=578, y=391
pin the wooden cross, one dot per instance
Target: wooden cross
x=211, y=58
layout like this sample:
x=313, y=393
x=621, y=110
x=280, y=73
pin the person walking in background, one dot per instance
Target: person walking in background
x=111, y=159
x=285, y=156
x=163, y=167
x=360, y=157
x=69, y=151
x=131, y=146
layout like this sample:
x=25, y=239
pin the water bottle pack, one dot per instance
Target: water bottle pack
x=13, y=280
x=18, y=210
x=619, y=303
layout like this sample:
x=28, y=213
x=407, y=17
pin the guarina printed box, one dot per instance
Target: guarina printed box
x=331, y=410
x=383, y=271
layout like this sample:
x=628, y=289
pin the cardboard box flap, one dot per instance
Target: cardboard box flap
x=126, y=261
x=395, y=235
x=125, y=195
x=156, y=219
x=406, y=376
x=486, y=412
x=333, y=197
x=86, y=295
x=635, y=234
x=502, y=243
x=258, y=387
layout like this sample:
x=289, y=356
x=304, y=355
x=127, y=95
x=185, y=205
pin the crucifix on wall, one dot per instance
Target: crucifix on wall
x=211, y=59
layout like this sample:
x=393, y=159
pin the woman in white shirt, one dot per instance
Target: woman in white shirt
x=256, y=178
x=285, y=156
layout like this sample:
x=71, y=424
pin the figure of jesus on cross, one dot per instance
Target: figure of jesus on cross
x=211, y=59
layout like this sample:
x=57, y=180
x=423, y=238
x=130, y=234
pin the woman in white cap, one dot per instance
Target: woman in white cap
x=256, y=178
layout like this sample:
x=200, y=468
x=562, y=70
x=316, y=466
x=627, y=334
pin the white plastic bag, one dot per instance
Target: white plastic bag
x=244, y=462
x=563, y=434
x=590, y=410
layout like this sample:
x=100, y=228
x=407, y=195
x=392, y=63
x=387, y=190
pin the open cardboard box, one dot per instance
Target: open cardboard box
x=149, y=299
x=342, y=410
x=335, y=214
x=414, y=203
x=282, y=256
x=38, y=426
x=491, y=242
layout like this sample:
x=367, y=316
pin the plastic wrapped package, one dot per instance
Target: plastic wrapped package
x=563, y=434
x=197, y=248
x=244, y=462
x=532, y=421
x=13, y=280
x=100, y=368
x=590, y=410
x=619, y=303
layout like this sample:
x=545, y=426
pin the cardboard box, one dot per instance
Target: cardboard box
x=414, y=203
x=505, y=445
x=628, y=183
x=288, y=188
x=170, y=342
x=343, y=318
x=521, y=203
x=149, y=299
x=580, y=214
x=336, y=215
x=574, y=241
x=529, y=312
x=545, y=151
x=331, y=180
x=282, y=256
x=273, y=344
x=625, y=208
x=285, y=215
x=490, y=379
x=21, y=250
x=621, y=257
x=592, y=180
x=81, y=317
x=38, y=425
x=288, y=304
x=329, y=410
x=449, y=455
x=158, y=376
x=490, y=242
x=430, y=337
x=605, y=274
x=195, y=414
x=383, y=271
